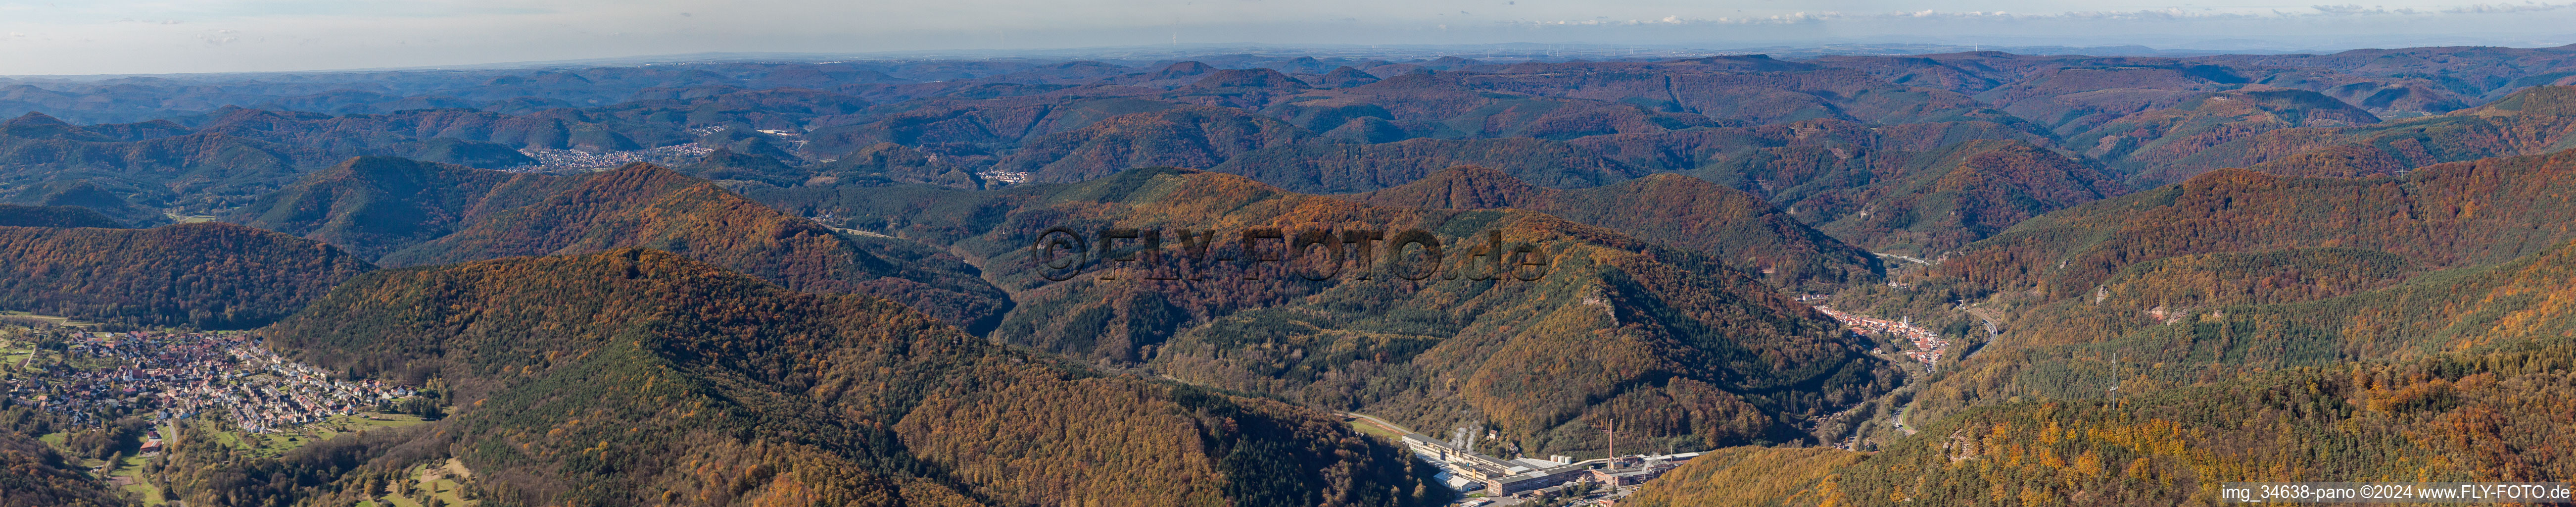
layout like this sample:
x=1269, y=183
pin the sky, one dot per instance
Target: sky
x=133, y=37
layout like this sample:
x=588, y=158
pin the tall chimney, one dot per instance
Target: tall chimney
x=1614, y=443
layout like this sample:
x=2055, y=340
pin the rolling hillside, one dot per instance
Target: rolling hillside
x=2534, y=121
x=372, y=206
x=1343, y=168
x=39, y=477
x=2441, y=216
x=2446, y=377
x=1734, y=227
x=1672, y=341
x=1152, y=278
x=714, y=388
x=648, y=206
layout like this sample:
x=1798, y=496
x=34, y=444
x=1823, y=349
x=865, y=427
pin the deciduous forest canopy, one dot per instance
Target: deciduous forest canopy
x=1954, y=278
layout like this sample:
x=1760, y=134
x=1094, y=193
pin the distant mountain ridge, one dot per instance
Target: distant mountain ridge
x=2533, y=121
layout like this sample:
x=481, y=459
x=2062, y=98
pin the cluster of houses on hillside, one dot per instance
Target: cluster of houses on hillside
x=1927, y=346
x=182, y=375
x=673, y=155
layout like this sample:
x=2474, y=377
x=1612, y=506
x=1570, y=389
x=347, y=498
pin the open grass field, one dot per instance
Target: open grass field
x=1374, y=429
x=16, y=347
x=129, y=477
x=16, y=357
x=429, y=483
x=273, y=444
x=59, y=321
x=1375, y=426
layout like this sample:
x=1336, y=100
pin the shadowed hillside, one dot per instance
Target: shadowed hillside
x=373, y=206
x=88, y=195
x=39, y=477
x=12, y=215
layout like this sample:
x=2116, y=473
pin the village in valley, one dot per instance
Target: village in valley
x=1489, y=481
x=1919, y=344
x=118, y=399
x=177, y=376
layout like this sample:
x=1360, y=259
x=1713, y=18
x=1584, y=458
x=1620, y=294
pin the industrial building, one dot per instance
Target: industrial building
x=1467, y=470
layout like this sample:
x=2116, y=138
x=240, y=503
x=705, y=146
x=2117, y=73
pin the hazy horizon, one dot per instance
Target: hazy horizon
x=133, y=37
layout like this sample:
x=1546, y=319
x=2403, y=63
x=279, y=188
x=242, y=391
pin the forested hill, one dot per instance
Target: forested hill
x=1348, y=167
x=2535, y=120
x=2456, y=376
x=1937, y=200
x=1734, y=227
x=686, y=283
x=12, y=215
x=644, y=205
x=83, y=194
x=1183, y=136
x=1915, y=189
x=2211, y=317
x=39, y=476
x=377, y=205
x=2445, y=215
x=208, y=275
x=2152, y=274
x=2208, y=131
x=1688, y=351
x=640, y=377
x=141, y=167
